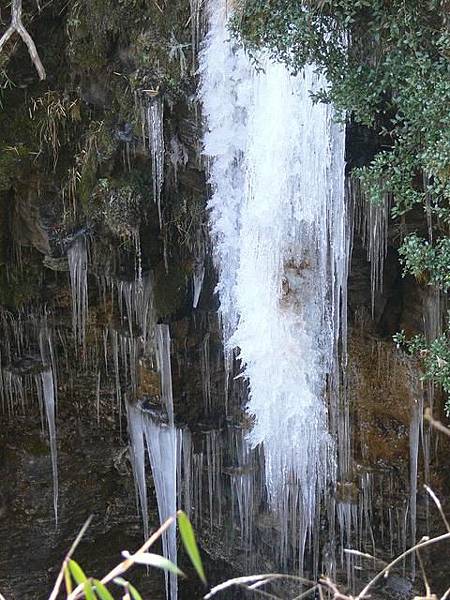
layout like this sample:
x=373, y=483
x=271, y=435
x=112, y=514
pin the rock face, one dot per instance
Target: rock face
x=77, y=160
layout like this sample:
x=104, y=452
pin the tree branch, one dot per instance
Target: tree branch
x=18, y=27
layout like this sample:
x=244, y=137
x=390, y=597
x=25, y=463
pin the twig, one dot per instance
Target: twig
x=446, y=595
x=158, y=7
x=363, y=555
x=307, y=592
x=439, y=506
x=337, y=595
x=77, y=540
x=424, y=575
x=18, y=27
x=244, y=581
x=262, y=593
x=419, y=546
x=434, y=423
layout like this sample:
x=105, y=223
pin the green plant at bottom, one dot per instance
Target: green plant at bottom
x=78, y=585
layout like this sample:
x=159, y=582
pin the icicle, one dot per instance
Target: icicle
x=195, y=29
x=177, y=156
x=198, y=277
x=206, y=374
x=414, y=437
x=97, y=396
x=164, y=367
x=137, y=449
x=161, y=444
x=187, y=471
x=156, y=145
x=48, y=395
x=243, y=486
x=78, y=267
x=278, y=223
x=372, y=222
x=161, y=441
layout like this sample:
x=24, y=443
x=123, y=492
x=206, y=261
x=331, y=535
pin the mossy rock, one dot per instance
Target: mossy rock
x=170, y=289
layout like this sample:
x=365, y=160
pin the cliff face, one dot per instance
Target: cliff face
x=107, y=150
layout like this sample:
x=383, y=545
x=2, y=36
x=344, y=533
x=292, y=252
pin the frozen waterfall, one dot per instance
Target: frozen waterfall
x=278, y=225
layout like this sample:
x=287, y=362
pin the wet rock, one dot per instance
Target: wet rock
x=399, y=587
x=56, y=264
x=124, y=134
x=150, y=380
x=151, y=405
x=26, y=365
x=27, y=229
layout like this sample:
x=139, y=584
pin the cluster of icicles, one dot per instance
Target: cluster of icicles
x=279, y=229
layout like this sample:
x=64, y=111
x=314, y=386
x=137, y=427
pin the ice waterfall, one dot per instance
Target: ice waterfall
x=279, y=229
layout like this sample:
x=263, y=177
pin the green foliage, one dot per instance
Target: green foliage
x=434, y=356
x=76, y=582
x=188, y=538
x=428, y=263
x=388, y=68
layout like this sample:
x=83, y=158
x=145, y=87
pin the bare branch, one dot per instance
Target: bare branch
x=18, y=27
x=307, y=592
x=446, y=595
x=424, y=575
x=332, y=587
x=434, y=423
x=252, y=579
x=439, y=506
x=421, y=544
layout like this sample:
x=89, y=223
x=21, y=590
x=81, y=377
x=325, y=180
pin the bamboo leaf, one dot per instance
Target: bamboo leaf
x=127, y=585
x=67, y=579
x=101, y=590
x=190, y=544
x=81, y=579
x=88, y=591
x=77, y=572
x=133, y=591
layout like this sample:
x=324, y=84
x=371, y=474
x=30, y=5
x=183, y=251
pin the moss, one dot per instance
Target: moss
x=19, y=286
x=383, y=393
x=170, y=289
x=118, y=205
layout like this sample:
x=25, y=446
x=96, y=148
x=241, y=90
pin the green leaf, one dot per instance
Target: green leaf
x=67, y=579
x=77, y=572
x=81, y=579
x=101, y=590
x=88, y=591
x=189, y=543
x=154, y=560
x=134, y=593
x=127, y=585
